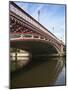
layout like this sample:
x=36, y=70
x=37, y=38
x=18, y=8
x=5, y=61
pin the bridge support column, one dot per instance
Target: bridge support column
x=61, y=51
x=16, y=58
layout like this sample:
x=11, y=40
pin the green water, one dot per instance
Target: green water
x=41, y=71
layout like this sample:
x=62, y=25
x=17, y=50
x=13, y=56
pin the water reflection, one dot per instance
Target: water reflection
x=61, y=77
x=41, y=71
x=19, y=59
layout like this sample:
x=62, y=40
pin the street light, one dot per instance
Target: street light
x=53, y=29
x=38, y=15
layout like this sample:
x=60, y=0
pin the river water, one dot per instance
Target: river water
x=41, y=71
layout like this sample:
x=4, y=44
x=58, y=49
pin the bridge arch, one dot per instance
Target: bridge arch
x=36, y=46
x=41, y=41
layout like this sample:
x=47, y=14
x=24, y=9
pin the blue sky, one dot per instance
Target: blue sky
x=51, y=15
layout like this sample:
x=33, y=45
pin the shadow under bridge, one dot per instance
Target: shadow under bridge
x=35, y=47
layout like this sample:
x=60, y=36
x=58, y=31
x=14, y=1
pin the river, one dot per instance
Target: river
x=41, y=71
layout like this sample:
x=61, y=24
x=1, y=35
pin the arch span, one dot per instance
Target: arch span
x=36, y=46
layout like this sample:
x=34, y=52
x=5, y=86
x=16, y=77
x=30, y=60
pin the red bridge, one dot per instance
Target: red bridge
x=28, y=34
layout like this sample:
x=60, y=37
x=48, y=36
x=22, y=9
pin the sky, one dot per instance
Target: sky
x=52, y=16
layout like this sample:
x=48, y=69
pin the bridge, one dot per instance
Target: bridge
x=28, y=34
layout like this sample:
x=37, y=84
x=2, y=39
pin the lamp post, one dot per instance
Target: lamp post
x=53, y=29
x=38, y=15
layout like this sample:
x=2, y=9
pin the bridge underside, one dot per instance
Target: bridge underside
x=34, y=47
